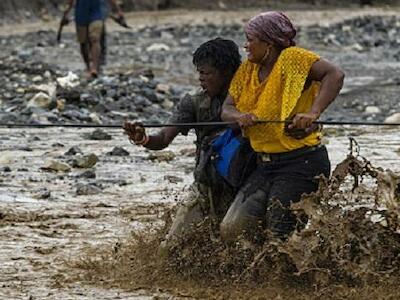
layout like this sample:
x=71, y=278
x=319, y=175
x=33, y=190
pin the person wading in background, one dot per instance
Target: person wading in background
x=89, y=19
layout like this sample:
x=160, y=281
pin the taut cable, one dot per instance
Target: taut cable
x=192, y=125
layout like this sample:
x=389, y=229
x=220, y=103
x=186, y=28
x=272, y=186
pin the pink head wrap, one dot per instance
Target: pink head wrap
x=272, y=27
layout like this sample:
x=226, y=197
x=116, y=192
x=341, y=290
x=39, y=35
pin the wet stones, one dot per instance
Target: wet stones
x=372, y=110
x=99, y=135
x=41, y=100
x=71, y=80
x=53, y=165
x=5, y=169
x=161, y=156
x=73, y=151
x=156, y=47
x=87, y=189
x=395, y=118
x=361, y=34
x=42, y=193
x=118, y=151
x=90, y=174
x=173, y=179
x=85, y=161
x=163, y=88
x=6, y=158
x=29, y=87
x=151, y=91
x=24, y=148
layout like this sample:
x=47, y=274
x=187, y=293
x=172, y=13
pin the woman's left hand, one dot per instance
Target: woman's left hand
x=301, y=133
x=303, y=120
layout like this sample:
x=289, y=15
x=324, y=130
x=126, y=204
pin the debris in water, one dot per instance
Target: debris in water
x=351, y=239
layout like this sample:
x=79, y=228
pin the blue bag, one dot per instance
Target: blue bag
x=233, y=158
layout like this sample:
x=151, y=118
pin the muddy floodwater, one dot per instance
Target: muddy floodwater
x=53, y=208
x=39, y=235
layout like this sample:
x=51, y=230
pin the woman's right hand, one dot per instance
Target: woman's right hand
x=246, y=119
x=135, y=132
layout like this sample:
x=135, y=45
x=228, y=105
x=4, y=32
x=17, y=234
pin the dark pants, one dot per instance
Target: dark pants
x=264, y=200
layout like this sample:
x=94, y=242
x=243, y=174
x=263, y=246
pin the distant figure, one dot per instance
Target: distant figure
x=89, y=19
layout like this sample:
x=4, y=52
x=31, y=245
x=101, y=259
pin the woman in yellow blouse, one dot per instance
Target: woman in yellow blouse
x=278, y=81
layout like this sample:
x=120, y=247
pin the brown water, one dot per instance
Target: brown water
x=39, y=235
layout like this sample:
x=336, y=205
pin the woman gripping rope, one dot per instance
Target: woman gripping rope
x=278, y=81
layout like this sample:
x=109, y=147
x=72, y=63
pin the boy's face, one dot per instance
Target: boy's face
x=211, y=80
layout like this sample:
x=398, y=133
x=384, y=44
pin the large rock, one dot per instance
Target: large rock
x=118, y=151
x=98, y=135
x=395, y=118
x=41, y=100
x=71, y=80
x=53, y=165
x=86, y=161
x=49, y=89
x=372, y=110
x=88, y=189
x=161, y=156
x=6, y=157
x=158, y=47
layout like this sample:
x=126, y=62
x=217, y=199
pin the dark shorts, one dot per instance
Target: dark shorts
x=264, y=200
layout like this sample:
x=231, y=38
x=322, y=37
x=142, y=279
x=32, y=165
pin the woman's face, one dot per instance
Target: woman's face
x=256, y=49
x=211, y=80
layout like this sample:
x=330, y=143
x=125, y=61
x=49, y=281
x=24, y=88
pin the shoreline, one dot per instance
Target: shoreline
x=137, y=19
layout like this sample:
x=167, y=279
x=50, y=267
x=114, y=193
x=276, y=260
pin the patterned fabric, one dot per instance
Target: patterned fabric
x=279, y=97
x=272, y=27
x=198, y=107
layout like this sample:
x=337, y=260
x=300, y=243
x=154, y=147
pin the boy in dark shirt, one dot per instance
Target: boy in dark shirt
x=216, y=62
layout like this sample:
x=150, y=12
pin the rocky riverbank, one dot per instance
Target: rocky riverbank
x=12, y=11
x=149, y=70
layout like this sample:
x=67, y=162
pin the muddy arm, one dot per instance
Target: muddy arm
x=137, y=135
x=162, y=139
x=331, y=78
x=231, y=114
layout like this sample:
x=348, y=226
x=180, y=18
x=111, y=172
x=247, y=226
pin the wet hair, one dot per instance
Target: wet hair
x=219, y=53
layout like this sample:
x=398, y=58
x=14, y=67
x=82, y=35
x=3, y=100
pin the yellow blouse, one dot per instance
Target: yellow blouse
x=279, y=97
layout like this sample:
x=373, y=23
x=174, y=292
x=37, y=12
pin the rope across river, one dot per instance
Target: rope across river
x=191, y=125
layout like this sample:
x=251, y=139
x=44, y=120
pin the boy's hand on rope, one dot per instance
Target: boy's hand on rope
x=136, y=133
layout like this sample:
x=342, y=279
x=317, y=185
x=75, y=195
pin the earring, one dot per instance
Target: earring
x=267, y=52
